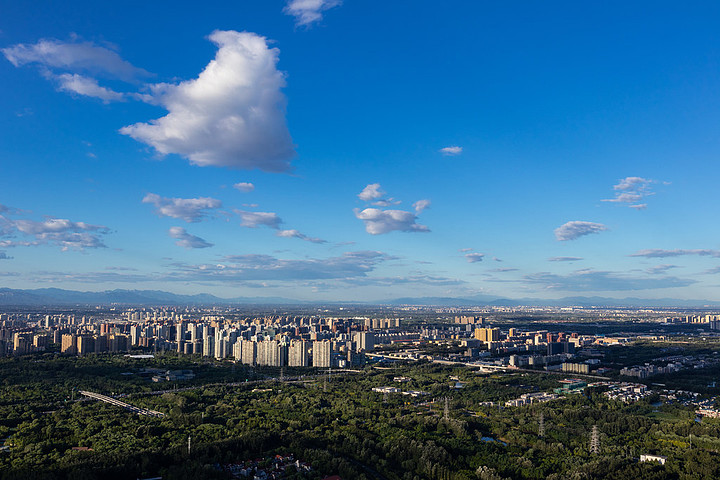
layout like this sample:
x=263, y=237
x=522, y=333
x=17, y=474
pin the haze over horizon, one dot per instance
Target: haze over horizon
x=328, y=150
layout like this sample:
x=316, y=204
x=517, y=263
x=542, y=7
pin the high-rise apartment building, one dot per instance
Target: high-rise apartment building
x=321, y=354
x=298, y=354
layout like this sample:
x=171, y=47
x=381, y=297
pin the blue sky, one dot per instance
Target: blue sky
x=328, y=150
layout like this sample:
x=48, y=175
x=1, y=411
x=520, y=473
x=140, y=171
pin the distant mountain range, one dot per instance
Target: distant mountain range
x=56, y=296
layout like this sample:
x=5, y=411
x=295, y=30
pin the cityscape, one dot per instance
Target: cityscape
x=359, y=240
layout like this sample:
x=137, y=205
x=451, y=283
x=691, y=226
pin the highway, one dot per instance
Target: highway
x=118, y=403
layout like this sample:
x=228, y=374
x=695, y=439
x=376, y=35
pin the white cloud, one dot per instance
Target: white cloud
x=72, y=82
x=632, y=190
x=242, y=268
x=307, y=12
x=244, y=187
x=297, y=234
x=273, y=221
x=632, y=183
x=232, y=115
x=589, y=280
x=379, y=221
x=564, y=259
x=474, y=257
x=54, y=231
x=73, y=57
x=577, y=229
x=386, y=202
x=466, y=250
x=421, y=205
x=660, y=253
x=451, y=150
x=258, y=219
x=371, y=192
x=658, y=269
x=188, y=209
x=625, y=197
x=186, y=240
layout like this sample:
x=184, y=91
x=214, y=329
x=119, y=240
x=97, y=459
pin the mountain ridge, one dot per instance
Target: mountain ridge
x=57, y=296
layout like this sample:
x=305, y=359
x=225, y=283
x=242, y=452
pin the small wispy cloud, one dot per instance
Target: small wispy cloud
x=89, y=87
x=371, y=192
x=632, y=190
x=588, y=280
x=259, y=219
x=660, y=253
x=564, y=259
x=272, y=220
x=188, y=209
x=474, y=257
x=245, y=187
x=421, y=205
x=451, y=150
x=185, y=240
x=659, y=269
x=73, y=56
x=308, y=12
x=576, y=229
x=296, y=234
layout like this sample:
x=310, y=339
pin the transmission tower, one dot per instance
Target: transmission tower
x=595, y=441
x=446, y=415
x=282, y=374
x=541, y=426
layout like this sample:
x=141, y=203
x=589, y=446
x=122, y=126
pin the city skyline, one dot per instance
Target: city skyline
x=346, y=151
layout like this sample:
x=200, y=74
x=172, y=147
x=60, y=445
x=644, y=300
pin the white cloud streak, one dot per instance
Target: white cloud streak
x=451, y=150
x=576, y=229
x=185, y=240
x=564, y=259
x=232, y=115
x=589, y=280
x=242, y=268
x=421, y=205
x=308, y=12
x=631, y=190
x=73, y=57
x=244, y=187
x=188, y=209
x=259, y=219
x=660, y=253
x=297, y=234
x=474, y=257
x=74, y=83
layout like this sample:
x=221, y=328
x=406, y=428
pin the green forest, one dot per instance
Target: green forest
x=336, y=423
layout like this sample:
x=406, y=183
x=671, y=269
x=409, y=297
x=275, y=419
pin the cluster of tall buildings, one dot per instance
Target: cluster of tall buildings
x=271, y=341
